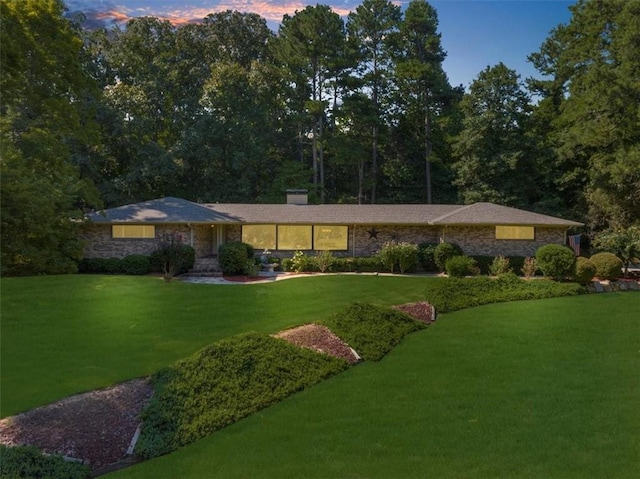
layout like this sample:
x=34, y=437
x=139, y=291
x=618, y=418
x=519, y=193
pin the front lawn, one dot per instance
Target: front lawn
x=62, y=335
x=532, y=389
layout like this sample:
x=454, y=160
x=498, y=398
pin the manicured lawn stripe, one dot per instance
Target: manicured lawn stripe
x=532, y=389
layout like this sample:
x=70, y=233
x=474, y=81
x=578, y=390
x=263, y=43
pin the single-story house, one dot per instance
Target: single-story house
x=346, y=230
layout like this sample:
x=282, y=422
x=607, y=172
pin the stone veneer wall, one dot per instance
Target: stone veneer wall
x=99, y=243
x=481, y=240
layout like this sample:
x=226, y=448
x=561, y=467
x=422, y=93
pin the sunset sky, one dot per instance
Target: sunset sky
x=475, y=33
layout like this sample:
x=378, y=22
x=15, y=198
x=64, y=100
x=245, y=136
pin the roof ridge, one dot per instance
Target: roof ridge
x=456, y=211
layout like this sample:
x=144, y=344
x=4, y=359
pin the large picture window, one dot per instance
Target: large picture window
x=133, y=231
x=294, y=237
x=259, y=236
x=330, y=237
x=515, y=233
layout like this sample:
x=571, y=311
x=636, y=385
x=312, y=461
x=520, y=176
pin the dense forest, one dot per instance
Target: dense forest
x=356, y=109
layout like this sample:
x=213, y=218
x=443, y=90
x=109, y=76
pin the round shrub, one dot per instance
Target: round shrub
x=233, y=257
x=425, y=256
x=608, y=265
x=460, y=266
x=555, y=261
x=136, y=264
x=445, y=251
x=585, y=270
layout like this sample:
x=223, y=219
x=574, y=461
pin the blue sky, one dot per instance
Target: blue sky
x=475, y=33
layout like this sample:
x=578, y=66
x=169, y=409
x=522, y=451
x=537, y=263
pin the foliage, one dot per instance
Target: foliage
x=403, y=256
x=134, y=264
x=47, y=122
x=624, y=243
x=29, y=462
x=371, y=330
x=529, y=267
x=555, y=261
x=173, y=255
x=608, y=265
x=425, y=256
x=302, y=263
x=500, y=265
x=460, y=266
x=452, y=294
x=445, y=251
x=325, y=261
x=585, y=270
x=223, y=383
x=234, y=256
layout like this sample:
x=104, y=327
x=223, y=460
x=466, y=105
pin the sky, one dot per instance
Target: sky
x=475, y=33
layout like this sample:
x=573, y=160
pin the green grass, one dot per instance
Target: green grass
x=62, y=335
x=535, y=389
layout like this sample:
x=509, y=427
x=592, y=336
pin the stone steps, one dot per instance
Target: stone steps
x=206, y=267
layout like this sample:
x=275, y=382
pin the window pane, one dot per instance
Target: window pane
x=133, y=231
x=515, y=232
x=259, y=236
x=330, y=237
x=294, y=237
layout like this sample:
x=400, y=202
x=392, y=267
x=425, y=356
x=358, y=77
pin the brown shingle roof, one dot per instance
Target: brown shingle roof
x=177, y=210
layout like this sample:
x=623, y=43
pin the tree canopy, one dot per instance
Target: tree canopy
x=356, y=109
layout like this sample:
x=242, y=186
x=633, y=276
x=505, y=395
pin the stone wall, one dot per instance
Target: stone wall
x=368, y=240
x=481, y=240
x=99, y=243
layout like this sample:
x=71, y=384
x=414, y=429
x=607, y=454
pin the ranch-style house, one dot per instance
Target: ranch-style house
x=346, y=230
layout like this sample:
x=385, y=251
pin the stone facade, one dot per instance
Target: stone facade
x=481, y=240
x=478, y=240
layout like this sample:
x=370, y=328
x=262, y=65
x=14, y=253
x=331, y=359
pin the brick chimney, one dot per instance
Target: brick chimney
x=297, y=197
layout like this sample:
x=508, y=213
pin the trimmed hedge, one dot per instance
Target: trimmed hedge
x=460, y=266
x=234, y=256
x=223, y=383
x=608, y=265
x=585, y=270
x=29, y=462
x=452, y=294
x=339, y=264
x=556, y=261
x=372, y=330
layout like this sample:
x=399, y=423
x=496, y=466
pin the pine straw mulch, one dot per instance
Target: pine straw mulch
x=98, y=427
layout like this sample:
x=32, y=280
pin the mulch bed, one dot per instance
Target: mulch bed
x=319, y=338
x=96, y=427
x=420, y=311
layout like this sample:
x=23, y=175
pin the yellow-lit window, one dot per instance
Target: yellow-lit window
x=294, y=237
x=133, y=231
x=259, y=236
x=330, y=237
x=515, y=233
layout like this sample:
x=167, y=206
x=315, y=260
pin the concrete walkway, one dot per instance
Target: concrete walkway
x=269, y=278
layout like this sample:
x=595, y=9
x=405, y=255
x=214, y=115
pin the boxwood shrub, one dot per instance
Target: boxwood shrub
x=556, y=261
x=223, y=383
x=371, y=330
x=29, y=462
x=460, y=266
x=233, y=257
x=608, y=265
x=585, y=270
x=136, y=264
x=426, y=258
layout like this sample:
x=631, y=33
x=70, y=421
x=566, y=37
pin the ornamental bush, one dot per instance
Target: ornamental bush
x=585, y=270
x=29, y=462
x=234, y=257
x=371, y=330
x=425, y=256
x=608, y=265
x=136, y=264
x=400, y=256
x=500, y=265
x=325, y=261
x=445, y=251
x=529, y=267
x=556, y=261
x=460, y=266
